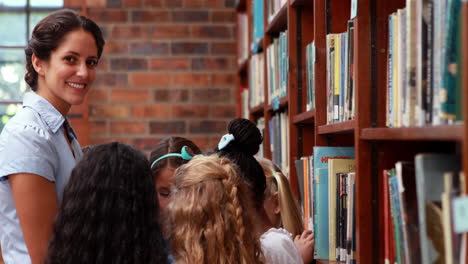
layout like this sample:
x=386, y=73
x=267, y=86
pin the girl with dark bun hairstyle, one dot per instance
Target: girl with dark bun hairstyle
x=109, y=211
x=239, y=146
x=38, y=147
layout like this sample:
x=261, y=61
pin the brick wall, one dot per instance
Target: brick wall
x=168, y=68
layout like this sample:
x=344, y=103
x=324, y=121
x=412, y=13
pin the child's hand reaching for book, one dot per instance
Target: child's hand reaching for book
x=305, y=244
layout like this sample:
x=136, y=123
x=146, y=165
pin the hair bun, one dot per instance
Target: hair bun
x=247, y=137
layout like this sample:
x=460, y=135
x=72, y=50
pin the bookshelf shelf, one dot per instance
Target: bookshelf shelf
x=279, y=22
x=338, y=128
x=297, y=3
x=257, y=110
x=434, y=133
x=305, y=118
x=283, y=104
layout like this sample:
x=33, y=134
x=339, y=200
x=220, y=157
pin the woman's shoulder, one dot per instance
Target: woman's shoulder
x=26, y=123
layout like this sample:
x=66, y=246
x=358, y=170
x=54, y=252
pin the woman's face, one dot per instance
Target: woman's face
x=164, y=185
x=65, y=79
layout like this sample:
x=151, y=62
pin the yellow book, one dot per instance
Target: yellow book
x=335, y=166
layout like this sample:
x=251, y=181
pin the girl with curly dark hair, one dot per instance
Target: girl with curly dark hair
x=109, y=212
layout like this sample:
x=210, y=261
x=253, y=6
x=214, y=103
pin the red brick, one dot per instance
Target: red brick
x=98, y=127
x=108, y=15
x=223, y=16
x=194, y=3
x=128, y=127
x=230, y=3
x=188, y=111
x=125, y=95
x=111, y=111
x=167, y=127
x=214, y=3
x=153, y=111
x=150, y=16
x=149, y=80
x=111, y=79
x=173, y=3
x=95, y=3
x=223, y=111
x=145, y=144
x=149, y=48
x=169, y=64
x=213, y=63
x=171, y=96
x=97, y=95
x=115, y=47
x=189, y=80
x=225, y=48
x=203, y=127
x=210, y=95
x=132, y=3
x=223, y=79
x=104, y=140
x=153, y=3
x=189, y=48
x=190, y=16
x=171, y=31
x=72, y=3
x=113, y=3
x=129, y=64
x=212, y=32
x=131, y=31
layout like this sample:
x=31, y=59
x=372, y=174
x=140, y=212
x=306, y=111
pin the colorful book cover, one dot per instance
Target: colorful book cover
x=321, y=214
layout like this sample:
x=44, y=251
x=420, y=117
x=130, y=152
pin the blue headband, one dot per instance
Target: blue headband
x=183, y=154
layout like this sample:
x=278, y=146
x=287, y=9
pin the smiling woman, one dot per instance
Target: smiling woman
x=38, y=147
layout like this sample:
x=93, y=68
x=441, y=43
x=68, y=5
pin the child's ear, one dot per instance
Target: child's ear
x=38, y=64
x=275, y=200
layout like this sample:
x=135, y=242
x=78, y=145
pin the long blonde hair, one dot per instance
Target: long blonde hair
x=291, y=218
x=210, y=215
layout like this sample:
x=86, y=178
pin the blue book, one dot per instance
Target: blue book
x=321, y=213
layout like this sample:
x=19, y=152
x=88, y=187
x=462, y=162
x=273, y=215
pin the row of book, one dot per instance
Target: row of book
x=423, y=67
x=278, y=127
x=340, y=76
x=274, y=7
x=418, y=211
x=277, y=67
x=244, y=102
x=256, y=80
x=327, y=191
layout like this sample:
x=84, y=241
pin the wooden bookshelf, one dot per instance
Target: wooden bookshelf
x=343, y=127
x=377, y=147
x=435, y=133
x=242, y=67
x=279, y=21
x=283, y=104
x=241, y=5
x=304, y=118
x=298, y=3
x=257, y=110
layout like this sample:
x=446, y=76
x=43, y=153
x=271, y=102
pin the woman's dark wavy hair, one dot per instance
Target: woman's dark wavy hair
x=48, y=34
x=109, y=212
x=241, y=151
x=171, y=145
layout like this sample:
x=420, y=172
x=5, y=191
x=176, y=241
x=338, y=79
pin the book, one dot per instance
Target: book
x=430, y=168
x=335, y=166
x=321, y=214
